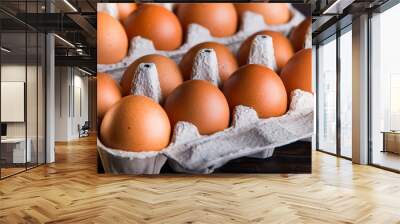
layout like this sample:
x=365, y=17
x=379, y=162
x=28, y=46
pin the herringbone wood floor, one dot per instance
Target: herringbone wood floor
x=70, y=191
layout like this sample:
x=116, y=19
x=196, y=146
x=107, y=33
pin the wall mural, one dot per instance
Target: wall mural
x=204, y=88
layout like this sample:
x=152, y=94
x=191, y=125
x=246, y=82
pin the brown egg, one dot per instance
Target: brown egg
x=112, y=42
x=219, y=18
x=297, y=73
x=298, y=35
x=227, y=63
x=200, y=103
x=108, y=93
x=125, y=9
x=136, y=123
x=282, y=47
x=258, y=87
x=273, y=13
x=156, y=23
x=169, y=74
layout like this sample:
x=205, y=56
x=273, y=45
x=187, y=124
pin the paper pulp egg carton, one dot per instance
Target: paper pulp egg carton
x=190, y=152
x=250, y=23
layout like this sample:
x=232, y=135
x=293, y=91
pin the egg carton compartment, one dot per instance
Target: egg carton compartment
x=122, y=162
x=191, y=152
x=250, y=23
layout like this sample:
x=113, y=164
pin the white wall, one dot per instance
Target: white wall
x=12, y=73
x=70, y=83
x=80, y=94
x=61, y=103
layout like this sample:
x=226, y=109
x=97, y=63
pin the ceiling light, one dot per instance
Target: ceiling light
x=64, y=40
x=79, y=51
x=70, y=5
x=5, y=50
x=84, y=71
x=337, y=7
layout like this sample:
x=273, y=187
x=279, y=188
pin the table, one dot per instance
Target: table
x=391, y=141
x=13, y=150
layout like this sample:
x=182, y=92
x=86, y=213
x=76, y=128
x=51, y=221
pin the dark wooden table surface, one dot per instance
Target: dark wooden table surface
x=292, y=158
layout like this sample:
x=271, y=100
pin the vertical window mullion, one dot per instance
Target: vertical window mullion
x=338, y=82
x=369, y=77
x=26, y=87
x=317, y=97
x=37, y=89
x=0, y=92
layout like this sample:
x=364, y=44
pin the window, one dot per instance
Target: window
x=334, y=106
x=394, y=119
x=346, y=95
x=385, y=89
x=327, y=96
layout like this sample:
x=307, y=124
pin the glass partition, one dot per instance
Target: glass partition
x=22, y=88
x=14, y=153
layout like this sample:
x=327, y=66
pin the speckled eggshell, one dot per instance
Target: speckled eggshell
x=282, y=47
x=136, y=123
x=297, y=73
x=273, y=13
x=156, y=23
x=227, y=63
x=298, y=34
x=200, y=103
x=258, y=87
x=108, y=93
x=169, y=74
x=112, y=42
x=219, y=18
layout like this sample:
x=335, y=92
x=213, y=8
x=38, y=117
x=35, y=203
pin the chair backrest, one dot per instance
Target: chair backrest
x=86, y=124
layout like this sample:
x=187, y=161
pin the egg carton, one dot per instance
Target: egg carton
x=191, y=152
x=251, y=23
